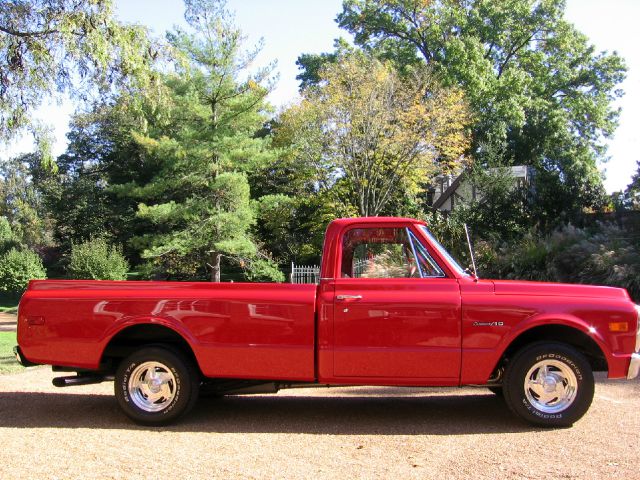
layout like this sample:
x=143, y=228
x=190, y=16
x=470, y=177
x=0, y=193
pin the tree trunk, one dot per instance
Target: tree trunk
x=215, y=266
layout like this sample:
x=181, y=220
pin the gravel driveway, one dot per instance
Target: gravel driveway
x=79, y=432
x=7, y=322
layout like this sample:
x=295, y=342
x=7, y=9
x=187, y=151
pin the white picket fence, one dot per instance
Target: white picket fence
x=305, y=273
x=311, y=273
x=360, y=266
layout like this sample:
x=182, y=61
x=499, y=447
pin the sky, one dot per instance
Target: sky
x=291, y=27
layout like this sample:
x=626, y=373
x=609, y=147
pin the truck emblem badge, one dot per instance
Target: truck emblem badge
x=488, y=324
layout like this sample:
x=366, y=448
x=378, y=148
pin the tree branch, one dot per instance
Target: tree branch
x=17, y=33
x=515, y=49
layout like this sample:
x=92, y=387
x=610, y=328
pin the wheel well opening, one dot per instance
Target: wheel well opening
x=563, y=334
x=133, y=338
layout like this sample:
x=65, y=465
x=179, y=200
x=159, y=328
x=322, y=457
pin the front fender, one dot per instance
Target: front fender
x=479, y=363
x=565, y=320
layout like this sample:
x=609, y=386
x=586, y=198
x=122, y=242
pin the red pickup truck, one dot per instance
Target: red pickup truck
x=392, y=308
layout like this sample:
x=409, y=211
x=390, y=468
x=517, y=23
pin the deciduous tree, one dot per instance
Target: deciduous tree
x=48, y=47
x=535, y=84
x=372, y=135
x=632, y=192
x=22, y=202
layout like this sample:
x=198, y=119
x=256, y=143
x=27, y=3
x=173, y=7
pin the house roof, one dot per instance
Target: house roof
x=516, y=171
x=448, y=192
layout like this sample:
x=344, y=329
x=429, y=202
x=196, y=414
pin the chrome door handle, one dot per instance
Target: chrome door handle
x=348, y=297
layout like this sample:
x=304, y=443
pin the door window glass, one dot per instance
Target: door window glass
x=378, y=253
x=386, y=253
x=426, y=264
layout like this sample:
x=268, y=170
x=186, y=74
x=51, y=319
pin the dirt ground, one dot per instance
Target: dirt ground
x=7, y=322
x=363, y=432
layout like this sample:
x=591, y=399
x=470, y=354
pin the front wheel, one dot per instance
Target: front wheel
x=549, y=384
x=154, y=385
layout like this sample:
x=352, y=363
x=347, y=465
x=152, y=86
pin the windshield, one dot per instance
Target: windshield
x=443, y=251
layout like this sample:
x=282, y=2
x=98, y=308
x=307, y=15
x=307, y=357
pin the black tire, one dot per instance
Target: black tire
x=155, y=385
x=559, y=399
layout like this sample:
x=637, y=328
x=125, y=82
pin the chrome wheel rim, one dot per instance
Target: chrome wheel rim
x=550, y=386
x=152, y=386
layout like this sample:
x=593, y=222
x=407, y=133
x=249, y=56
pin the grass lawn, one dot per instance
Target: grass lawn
x=8, y=363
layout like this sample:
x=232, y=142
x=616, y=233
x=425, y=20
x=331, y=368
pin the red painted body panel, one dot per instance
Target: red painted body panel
x=512, y=287
x=400, y=328
x=404, y=331
x=235, y=330
x=527, y=306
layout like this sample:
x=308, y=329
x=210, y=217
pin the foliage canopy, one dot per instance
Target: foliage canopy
x=371, y=134
x=534, y=83
x=17, y=267
x=49, y=47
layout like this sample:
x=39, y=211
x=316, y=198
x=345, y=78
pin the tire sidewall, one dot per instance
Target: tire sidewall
x=515, y=390
x=171, y=362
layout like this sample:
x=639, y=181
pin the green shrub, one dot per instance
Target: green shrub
x=263, y=270
x=8, y=239
x=96, y=260
x=603, y=255
x=608, y=256
x=17, y=267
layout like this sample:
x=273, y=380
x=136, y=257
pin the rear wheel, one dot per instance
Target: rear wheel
x=155, y=386
x=549, y=384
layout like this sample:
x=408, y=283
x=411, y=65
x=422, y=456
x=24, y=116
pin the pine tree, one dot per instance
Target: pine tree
x=202, y=146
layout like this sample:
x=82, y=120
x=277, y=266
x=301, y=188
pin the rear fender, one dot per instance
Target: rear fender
x=160, y=321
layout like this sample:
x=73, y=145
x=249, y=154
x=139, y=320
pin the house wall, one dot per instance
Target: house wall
x=465, y=192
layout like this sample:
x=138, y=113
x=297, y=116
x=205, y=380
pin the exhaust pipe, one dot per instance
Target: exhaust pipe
x=80, y=379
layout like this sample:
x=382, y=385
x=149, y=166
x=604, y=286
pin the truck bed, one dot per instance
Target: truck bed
x=236, y=330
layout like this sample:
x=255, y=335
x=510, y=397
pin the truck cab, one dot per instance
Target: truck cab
x=396, y=304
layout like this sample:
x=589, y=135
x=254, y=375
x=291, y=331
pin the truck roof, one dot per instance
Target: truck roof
x=348, y=221
x=329, y=267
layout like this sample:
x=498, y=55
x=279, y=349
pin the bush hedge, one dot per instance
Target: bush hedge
x=601, y=255
x=17, y=267
x=97, y=260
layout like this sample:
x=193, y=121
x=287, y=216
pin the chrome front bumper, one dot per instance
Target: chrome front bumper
x=634, y=366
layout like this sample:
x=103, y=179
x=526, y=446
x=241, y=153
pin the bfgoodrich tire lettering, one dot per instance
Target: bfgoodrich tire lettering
x=549, y=384
x=155, y=385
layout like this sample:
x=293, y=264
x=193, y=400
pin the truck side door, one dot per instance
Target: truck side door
x=396, y=313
